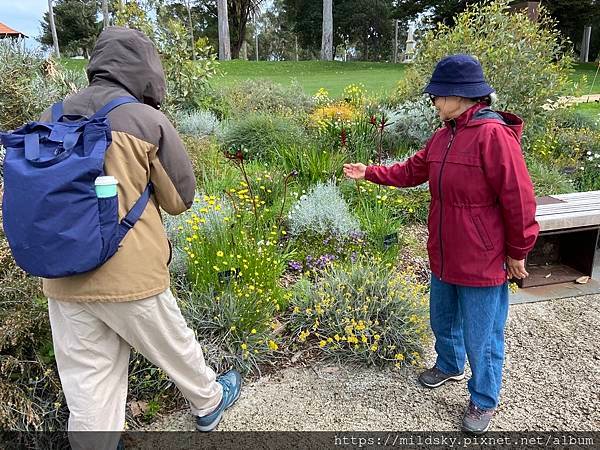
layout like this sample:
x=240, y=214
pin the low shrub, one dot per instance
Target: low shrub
x=198, y=123
x=312, y=162
x=261, y=135
x=29, y=84
x=214, y=174
x=361, y=313
x=547, y=179
x=31, y=398
x=413, y=122
x=236, y=324
x=265, y=96
x=322, y=211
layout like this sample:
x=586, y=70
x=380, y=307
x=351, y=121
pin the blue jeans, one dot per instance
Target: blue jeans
x=469, y=321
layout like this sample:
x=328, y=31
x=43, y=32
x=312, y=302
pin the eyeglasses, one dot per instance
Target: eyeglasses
x=433, y=98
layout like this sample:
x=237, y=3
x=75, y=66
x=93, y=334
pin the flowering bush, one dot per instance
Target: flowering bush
x=587, y=177
x=321, y=97
x=334, y=115
x=362, y=313
x=237, y=323
x=320, y=252
x=355, y=94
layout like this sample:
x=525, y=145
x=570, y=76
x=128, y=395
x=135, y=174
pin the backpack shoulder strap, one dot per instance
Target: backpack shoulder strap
x=102, y=112
x=57, y=111
x=134, y=213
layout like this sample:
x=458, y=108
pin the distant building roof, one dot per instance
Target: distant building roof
x=6, y=31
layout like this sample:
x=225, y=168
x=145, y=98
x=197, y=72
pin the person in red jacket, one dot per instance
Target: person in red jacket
x=481, y=227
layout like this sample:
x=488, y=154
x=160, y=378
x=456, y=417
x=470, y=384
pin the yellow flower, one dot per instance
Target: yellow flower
x=374, y=348
x=253, y=331
x=244, y=347
x=303, y=335
x=272, y=345
x=322, y=344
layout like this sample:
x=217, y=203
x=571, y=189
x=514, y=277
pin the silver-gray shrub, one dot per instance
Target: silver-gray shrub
x=414, y=120
x=323, y=211
x=197, y=123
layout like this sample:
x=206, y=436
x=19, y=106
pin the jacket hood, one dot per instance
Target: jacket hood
x=481, y=114
x=128, y=58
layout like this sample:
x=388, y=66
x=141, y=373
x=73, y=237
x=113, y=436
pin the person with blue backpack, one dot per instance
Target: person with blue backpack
x=83, y=191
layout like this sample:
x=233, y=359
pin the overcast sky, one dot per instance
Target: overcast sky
x=23, y=16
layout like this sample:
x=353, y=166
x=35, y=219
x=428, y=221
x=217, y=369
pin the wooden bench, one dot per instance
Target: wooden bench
x=567, y=247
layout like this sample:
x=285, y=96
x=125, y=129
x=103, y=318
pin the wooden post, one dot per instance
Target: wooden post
x=53, y=29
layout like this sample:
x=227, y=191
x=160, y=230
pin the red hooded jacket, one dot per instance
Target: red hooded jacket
x=482, y=201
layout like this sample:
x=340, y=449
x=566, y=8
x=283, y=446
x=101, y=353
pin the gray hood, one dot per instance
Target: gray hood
x=129, y=59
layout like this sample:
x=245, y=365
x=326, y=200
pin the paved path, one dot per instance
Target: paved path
x=551, y=382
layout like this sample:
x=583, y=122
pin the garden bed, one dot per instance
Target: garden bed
x=551, y=383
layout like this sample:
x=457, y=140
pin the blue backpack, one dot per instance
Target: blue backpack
x=55, y=224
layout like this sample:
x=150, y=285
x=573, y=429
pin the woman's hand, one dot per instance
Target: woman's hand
x=355, y=171
x=516, y=268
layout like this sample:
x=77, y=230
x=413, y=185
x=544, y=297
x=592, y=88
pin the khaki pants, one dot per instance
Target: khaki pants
x=92, y=343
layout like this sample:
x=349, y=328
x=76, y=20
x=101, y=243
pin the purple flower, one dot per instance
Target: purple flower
x=295, y=265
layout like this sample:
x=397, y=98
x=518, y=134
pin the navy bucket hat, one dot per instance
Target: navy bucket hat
x=458, y=75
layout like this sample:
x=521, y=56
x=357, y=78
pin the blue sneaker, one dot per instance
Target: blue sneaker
x=232, y=386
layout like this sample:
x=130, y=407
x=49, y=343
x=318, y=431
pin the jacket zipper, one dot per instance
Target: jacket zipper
x=440, y=195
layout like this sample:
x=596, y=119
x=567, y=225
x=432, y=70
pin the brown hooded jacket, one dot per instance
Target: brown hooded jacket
x=145, y=147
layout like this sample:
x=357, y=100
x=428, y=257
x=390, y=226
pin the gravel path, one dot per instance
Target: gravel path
x=551, y=382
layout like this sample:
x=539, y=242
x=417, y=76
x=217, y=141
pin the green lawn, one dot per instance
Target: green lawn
x=589, y=71
x=591, y=109
x=312, y=75
x=335, y=75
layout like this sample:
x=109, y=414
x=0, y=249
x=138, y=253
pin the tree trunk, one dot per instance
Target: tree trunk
x=224, y=44
x=191, y=25
x=237, y=45
x=105, y=13
x=327, y=37
x=53, y=29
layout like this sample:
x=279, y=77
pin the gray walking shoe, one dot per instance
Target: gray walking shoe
x=477, y=420
x=434, y=377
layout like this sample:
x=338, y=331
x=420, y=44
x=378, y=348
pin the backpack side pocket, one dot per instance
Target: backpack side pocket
x=108, y=210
